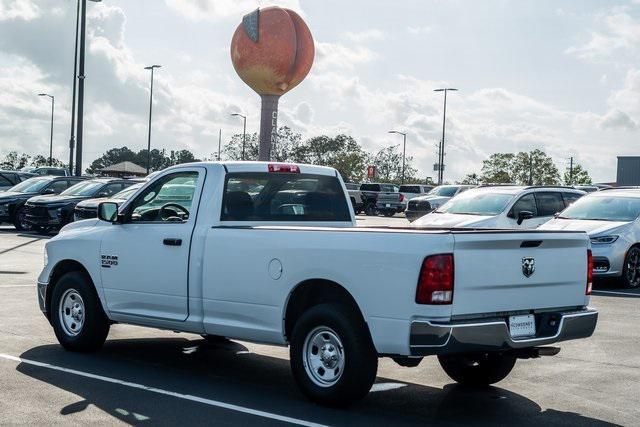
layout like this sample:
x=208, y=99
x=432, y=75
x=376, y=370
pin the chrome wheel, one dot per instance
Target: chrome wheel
x=632, y=266
x=22, y=220
x=71, y=312
x=323, y=356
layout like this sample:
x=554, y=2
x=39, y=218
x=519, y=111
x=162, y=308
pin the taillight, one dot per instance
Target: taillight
x=589, y=271
x=283, y=167
x=435, y=284
x=402, y=197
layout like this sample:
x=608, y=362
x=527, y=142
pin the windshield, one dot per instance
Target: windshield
x=477, y=203
x=127, y=192
x=31, y=185
x=609, y=208
x=86, y=188
x=444, y=191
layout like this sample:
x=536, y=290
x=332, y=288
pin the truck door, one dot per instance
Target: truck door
x=145, y=260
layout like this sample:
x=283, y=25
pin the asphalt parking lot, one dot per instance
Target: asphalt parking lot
x=160, y=377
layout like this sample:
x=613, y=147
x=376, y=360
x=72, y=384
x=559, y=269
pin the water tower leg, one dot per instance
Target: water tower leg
x=268, y=126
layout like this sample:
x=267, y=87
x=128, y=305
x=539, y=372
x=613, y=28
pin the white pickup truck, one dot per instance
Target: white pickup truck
x=270, y=253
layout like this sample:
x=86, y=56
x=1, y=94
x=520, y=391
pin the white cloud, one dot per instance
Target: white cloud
x=212, y=10
x=419, y=30
x=617, y=119
x=365, y=36
x=619, y=30
x=335, y=56
x=18, y=9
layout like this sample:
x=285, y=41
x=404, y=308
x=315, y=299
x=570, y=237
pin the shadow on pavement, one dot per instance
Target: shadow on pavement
x=227, y=372
x=611, y=288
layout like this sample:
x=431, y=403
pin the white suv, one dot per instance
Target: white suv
x=502, y=207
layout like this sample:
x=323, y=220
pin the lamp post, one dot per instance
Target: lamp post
x=244, y=131
x=80, y=77
x=151, y=67
x=72, y=139
x=441, y=147
x=404, y=149
x=53, y=103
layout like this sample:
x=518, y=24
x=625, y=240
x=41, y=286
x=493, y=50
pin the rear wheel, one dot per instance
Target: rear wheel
x=631, y=272
x=370, y=209
x=20, y=221
x=479, y=369
x=389, y=213
x=77, y=317
x=332, y=357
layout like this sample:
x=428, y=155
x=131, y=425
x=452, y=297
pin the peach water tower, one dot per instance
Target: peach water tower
x=272, y=51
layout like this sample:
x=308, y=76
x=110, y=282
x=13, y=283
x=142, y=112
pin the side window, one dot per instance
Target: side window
x=569, y=198
x=111, y=189
x=549, y=203
x=524, y=203
x=168, y=199
x=4, y=182
x=58, y=186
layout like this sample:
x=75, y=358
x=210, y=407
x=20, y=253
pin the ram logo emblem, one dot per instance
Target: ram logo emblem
x=528, y=266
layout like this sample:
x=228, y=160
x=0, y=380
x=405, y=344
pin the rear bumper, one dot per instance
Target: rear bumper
x=399, y=207
x=429, y=338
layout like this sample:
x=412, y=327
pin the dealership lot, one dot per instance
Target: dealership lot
x=150, y=376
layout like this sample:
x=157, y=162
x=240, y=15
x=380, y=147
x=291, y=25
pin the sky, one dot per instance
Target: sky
x=562, y=76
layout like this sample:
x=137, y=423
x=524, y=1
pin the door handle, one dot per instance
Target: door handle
x=172, y=242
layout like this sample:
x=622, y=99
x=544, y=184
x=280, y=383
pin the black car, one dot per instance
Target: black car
x=12, y=209
x=10, y=178
x=88, y=209
x=53, y=212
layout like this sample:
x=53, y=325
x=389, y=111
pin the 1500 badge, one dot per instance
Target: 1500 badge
x=109, y=260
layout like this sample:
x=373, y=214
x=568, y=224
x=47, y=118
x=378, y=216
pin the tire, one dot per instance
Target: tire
x=630, y=278
x=74, y=295
x=352, y=360
x=479, y=369
x=370, y=209
x=19, y=220
x=389, y=213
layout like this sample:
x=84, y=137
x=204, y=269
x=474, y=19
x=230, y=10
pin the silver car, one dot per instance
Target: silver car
x=610, y=218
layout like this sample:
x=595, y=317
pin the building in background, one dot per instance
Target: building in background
x=628, y=170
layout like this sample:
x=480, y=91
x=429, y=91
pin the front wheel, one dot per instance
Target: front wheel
x=20, y=221
x=479, y=369
x=370, y=209
x=332, y=357
x=631, y=272
x=77, y=317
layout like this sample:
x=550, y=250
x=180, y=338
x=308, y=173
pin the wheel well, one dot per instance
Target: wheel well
x=314, y=292
x=62, y=268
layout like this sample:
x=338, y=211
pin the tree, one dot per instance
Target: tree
x=14, y=161
x=341, y=152
x=41, y=160
x=498, y=168
x=472, y=179
x=388, y=163
x=535, y=168
x=282, y=151
x=580, y=176
x=159, y=158
x=111, y=157
x=182, y=156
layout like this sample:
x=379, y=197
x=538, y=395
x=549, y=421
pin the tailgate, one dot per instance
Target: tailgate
x=509, y=271
x=389, y=198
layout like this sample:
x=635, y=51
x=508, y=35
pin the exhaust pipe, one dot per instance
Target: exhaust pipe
x=536, y=352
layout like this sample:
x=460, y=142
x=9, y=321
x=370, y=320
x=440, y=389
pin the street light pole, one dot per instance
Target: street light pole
x=80, y=125
x=151, y=67
x=444, y=120
x=53, y=104
x=72, y=139
x=404, y=150
x=219, y=144
x=244, y=131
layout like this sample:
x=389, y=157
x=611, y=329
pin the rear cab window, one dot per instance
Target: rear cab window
x=283, y=197
x=549, y=203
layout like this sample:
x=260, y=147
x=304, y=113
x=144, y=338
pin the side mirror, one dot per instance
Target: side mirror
x=524, y=215
x=49, y=191
x=108, y=211
x=102, y=194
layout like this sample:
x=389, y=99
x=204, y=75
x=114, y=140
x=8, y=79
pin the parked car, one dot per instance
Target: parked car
x=587, y=188
x=355, y=195
x=88, y=209
x=12, y=209
x=46, y=170
x=501, y=207
x=610, y=218
x=53, y=212
x=438, y=196
x=381, y=198
x=410, y=191
x=10, y=178
x=226, y=263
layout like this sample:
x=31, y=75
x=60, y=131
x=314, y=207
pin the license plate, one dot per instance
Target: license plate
x=522, y=326
x=387, y=205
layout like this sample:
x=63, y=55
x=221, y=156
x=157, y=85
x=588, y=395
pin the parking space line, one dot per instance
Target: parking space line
x=189, y=397
x=629, y=294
